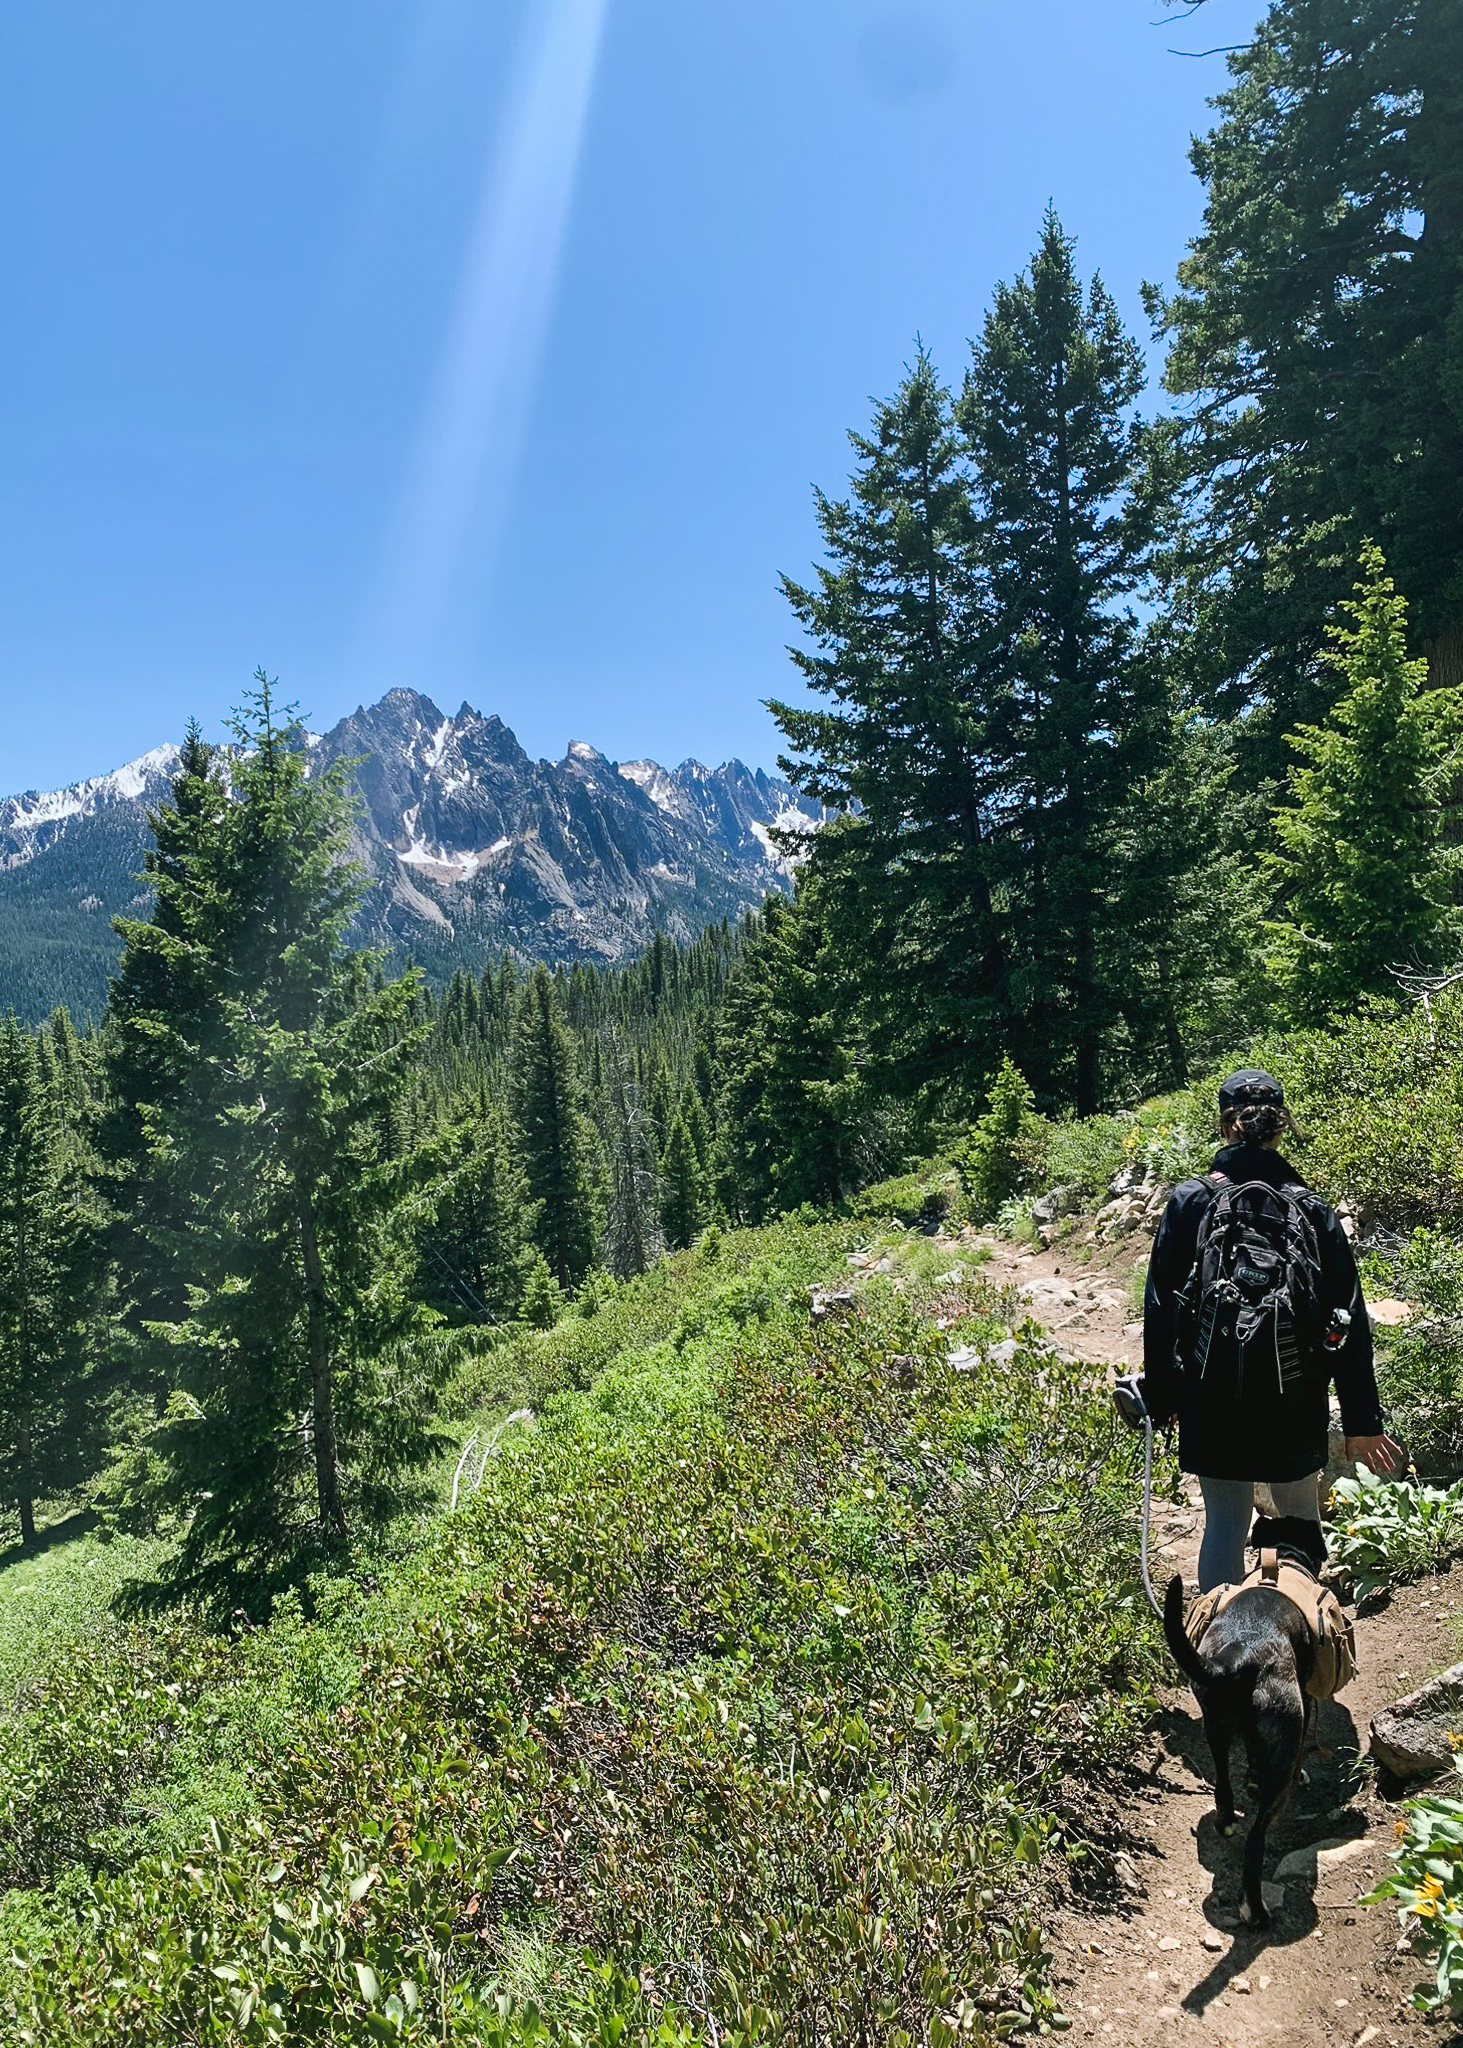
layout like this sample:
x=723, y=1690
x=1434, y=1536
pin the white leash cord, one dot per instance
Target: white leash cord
x=1147, y=1505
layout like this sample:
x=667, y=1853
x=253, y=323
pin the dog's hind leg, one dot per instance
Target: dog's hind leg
x=1219, y=1731
x=1274, y=1745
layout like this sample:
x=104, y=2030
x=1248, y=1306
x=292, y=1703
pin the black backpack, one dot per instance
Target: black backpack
x=1253, y=1298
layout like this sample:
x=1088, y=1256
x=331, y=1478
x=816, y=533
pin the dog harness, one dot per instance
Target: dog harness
x=1330, y=1628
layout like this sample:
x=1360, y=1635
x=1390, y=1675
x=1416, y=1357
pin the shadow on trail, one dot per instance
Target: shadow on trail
x=1318, y=1810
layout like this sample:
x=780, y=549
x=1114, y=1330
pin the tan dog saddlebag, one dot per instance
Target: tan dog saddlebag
x=1331, y=1629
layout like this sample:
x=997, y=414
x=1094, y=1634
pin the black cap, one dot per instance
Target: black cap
x=1250, y=1085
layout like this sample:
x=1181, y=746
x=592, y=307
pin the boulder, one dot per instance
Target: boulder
x=1410, y=1738
x=1125, y=1180
x=1061, y=1201
x=1047, y=1297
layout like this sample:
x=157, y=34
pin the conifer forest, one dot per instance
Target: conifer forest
x=530, y=1516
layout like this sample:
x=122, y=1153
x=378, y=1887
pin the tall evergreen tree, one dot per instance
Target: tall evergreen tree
x=1362, y=870
x=794, y=1108
x=560, y=1148
x=685, y=1189
x=476, y=1241
x=1077, y=720
x=160, y=1029
x=1316, y=336
x=900, y=750
x=300, y=1397
x=632, y=1236
x=52, y=1419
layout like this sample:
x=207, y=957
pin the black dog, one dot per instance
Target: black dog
x=1250, y=1673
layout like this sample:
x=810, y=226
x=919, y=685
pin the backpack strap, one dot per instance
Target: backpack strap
x=1270, y=1567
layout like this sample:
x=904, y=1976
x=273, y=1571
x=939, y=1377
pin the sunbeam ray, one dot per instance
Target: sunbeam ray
x=461, y=473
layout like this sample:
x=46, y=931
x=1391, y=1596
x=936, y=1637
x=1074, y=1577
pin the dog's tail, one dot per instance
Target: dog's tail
x=1187, y=1657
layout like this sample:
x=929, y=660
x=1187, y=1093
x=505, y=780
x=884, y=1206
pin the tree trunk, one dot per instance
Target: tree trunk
x=1445, y=657
x=27, y=1521
x=322, y=1401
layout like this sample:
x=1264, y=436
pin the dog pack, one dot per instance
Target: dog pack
x=1330, y=1628
x=1252, y=1301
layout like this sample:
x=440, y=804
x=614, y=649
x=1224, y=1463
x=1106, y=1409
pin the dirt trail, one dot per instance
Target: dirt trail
x=1167, y=1957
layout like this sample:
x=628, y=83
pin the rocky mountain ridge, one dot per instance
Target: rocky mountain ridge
x=470, y=843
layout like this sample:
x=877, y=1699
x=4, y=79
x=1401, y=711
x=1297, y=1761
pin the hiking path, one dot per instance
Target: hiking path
x=1162, y=1956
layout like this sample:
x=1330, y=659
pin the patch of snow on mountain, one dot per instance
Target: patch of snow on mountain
x=28, y=813
x=658, y=786
x=432, y=752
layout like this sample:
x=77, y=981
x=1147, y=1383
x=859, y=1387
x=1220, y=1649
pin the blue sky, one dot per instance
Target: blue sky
x=495, y=348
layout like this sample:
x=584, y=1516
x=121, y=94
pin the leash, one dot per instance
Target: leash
x=1128, y=1400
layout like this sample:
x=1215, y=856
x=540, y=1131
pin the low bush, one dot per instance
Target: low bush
x=1379, y=1098
x=752, y=1723
x=1427, y=1885
x=1389, y=1530
x=1420, y=1363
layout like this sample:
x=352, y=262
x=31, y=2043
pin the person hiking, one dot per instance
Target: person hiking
x=1253, y=1307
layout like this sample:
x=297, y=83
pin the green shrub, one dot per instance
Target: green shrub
x=1388, y=1530
x=1427, y=1884
x=1420, y=1363
x=992, y=1164
x=1380, y=1098
x=1082, y=1153
x=724, y=1712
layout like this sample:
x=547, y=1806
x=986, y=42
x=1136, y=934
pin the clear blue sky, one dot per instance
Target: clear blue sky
x=494, y=346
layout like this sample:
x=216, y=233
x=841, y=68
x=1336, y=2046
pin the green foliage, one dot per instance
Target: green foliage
x=685, y=1188
x=1389, y=1530
x=1076, y=1152
x=794, y=1108
x=474, y=1241
x=1420, y=1364
x=561, y=1153
x=797, y=1662
x=1363, y=872
x=1078, y=718
x=543, y=1301
x=1379, y=1099
x=264, y=1175
x=1315, y=339
x=1427, y=1883
x=992, y=1164
x=52, y=1415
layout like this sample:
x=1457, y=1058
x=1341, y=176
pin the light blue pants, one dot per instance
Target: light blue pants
x=1229, y=1505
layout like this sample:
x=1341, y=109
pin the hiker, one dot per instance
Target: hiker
x=1253, y=1307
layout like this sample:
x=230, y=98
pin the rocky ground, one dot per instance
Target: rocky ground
x=1165, y=1955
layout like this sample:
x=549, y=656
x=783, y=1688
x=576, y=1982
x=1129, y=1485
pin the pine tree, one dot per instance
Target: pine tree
x=1077, y=719
x=901, y=749
x=52, y=1417
x=685, y=1190
x=1363, y=871
x=160, y=1030
x=475, y=1247
x=632, y=1237
x=1316, y=337
x=794, y=1108
x=300, y=1397
x=560, y=1149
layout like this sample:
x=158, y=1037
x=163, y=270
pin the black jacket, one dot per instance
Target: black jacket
x=1267, y=1437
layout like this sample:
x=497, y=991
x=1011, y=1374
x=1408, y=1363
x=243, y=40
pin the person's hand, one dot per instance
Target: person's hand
x=1378, y=1453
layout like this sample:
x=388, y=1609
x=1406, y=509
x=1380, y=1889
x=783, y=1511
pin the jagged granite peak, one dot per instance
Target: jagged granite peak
x=472, y=845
